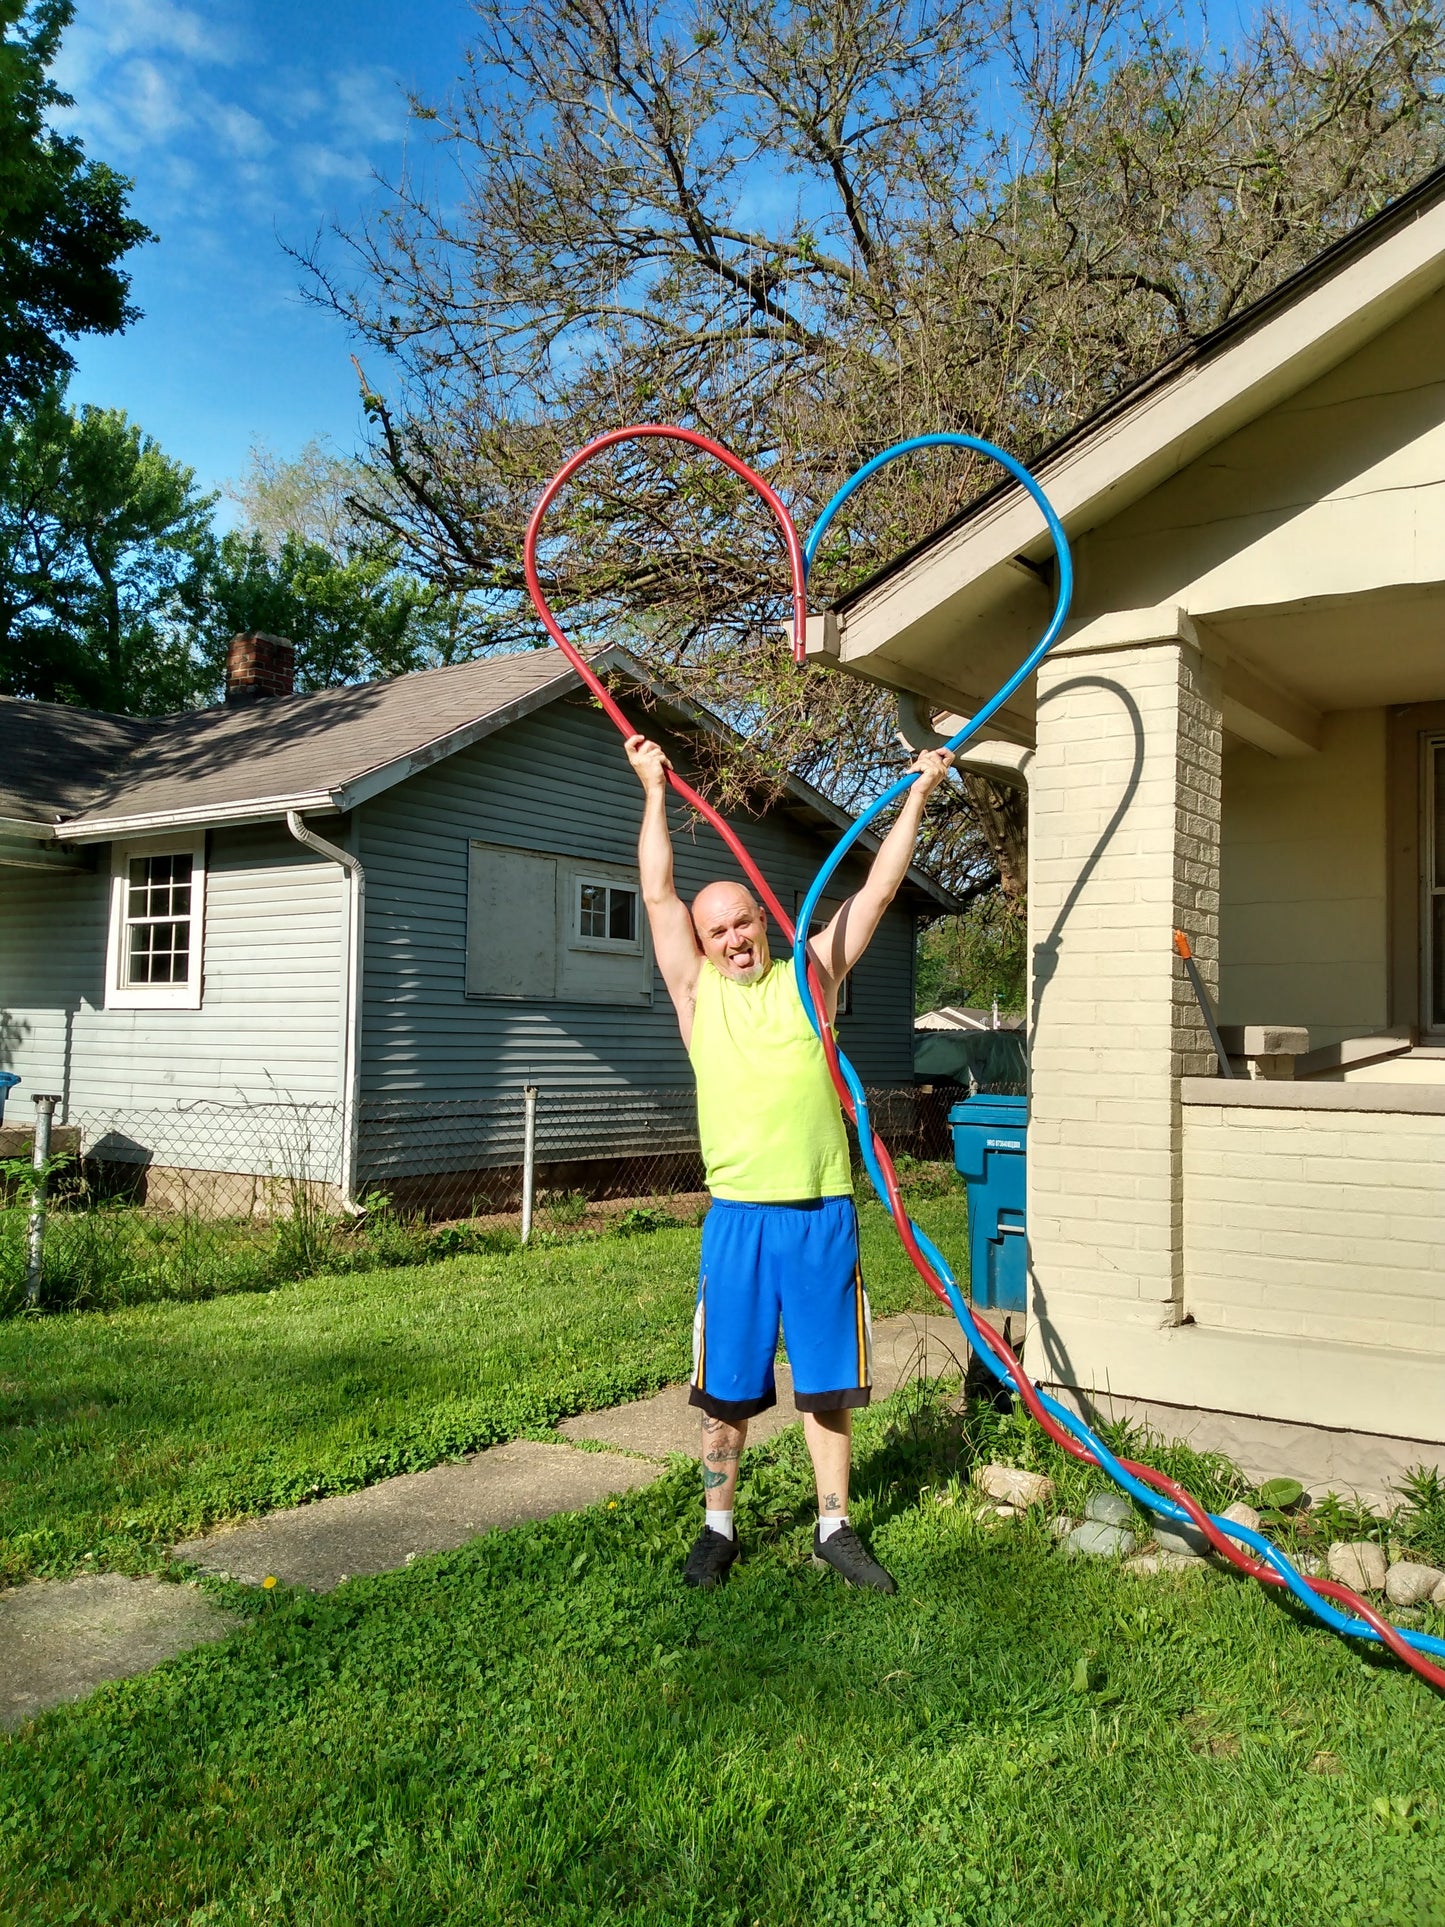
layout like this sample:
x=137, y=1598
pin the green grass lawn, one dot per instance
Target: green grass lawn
x=546, y=1728
x=123, y=1432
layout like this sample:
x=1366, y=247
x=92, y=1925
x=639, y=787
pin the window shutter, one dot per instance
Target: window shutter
x=511, y=923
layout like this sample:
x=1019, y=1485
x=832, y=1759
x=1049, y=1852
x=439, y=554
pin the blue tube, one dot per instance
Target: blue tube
x=1145, y=1495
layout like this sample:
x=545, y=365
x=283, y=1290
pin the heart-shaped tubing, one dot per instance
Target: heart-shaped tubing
x=1150, y=1488
x=658, y=431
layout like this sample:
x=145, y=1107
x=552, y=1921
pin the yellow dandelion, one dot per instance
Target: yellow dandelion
x=268, y=1583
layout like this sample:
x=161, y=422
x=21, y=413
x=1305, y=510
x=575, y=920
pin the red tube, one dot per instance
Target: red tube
x=1221, y=1542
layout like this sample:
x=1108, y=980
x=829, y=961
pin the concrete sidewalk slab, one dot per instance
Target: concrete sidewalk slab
x=914, y=1345
x=63, y=1638
x=383, y=1527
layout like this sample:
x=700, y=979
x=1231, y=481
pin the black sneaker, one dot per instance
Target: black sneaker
x=710, y=1560
x=846, y=1553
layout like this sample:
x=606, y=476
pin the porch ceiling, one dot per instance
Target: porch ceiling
x=1345, y=652
x=1285, y=664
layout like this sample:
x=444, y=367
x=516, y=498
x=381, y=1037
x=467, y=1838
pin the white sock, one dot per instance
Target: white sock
x=827, y=1527
x=721, y=1522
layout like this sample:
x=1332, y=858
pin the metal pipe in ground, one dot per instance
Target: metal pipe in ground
x=529, y=1156
x=40, y=1159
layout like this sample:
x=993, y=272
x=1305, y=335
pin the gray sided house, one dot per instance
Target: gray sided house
x=336, y=934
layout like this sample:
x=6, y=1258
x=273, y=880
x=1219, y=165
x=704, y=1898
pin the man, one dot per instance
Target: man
x=781, y=1239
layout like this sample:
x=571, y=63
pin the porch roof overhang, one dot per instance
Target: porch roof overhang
x=949, y=620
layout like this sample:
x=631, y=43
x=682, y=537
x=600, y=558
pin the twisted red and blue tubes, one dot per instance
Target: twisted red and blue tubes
x=1062, y=1426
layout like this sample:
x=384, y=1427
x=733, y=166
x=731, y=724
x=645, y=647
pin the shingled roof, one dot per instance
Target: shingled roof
x=85, y=777
x=55, y=761
x=93, y=776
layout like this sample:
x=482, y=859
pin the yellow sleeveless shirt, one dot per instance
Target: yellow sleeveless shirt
x=769, y=1120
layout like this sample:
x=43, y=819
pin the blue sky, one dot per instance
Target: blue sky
x=244, y=124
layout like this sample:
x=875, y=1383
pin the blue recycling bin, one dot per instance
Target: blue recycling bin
x=990, y=1143
x=8, y=1081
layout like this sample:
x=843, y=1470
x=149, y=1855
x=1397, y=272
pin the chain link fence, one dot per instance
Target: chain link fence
x=198, y=1190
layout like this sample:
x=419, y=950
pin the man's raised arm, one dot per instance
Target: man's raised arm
x=673, y=940
x=838, y=947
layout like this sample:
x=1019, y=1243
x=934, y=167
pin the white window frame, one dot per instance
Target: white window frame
x=608, y=946
x=120, y=995
x=1430, y=1026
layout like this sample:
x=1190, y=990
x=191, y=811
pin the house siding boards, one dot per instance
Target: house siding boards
x=52, y=968
x=441, y=1070
x=269, y=1027
x=556, y=782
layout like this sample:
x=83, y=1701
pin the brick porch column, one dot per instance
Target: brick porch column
x=1123, y=849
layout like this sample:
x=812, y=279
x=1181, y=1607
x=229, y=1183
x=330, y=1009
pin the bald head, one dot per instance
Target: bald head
x=732, y=928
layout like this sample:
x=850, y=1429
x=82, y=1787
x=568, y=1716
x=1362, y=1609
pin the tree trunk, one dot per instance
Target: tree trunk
x=1003, y=815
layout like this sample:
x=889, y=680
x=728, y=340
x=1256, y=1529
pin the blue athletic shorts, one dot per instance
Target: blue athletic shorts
x=794, y=1264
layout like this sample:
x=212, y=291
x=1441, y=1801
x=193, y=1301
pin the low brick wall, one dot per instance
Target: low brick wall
x=1304, y=1218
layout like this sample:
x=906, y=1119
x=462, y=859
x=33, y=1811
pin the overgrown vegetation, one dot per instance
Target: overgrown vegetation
x=103, y=1253
x=546, y=1728
x=124, y=1432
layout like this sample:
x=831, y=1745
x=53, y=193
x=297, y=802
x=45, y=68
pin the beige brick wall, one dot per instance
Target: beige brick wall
x=1303, y=917
x=1124, y=798
x=1317, y=1225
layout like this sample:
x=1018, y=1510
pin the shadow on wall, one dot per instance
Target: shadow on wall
x=1045, y=962
x=13, y=1032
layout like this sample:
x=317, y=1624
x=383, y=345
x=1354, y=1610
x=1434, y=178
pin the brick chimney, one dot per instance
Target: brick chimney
x=257, y=666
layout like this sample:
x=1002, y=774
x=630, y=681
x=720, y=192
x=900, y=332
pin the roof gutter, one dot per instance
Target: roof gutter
x=254, y=809
x=351, y=1003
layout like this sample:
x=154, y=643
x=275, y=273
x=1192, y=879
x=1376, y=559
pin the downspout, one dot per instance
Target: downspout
x=351, y=1054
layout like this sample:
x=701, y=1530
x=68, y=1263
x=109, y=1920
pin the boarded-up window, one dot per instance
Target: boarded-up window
x=511, y=923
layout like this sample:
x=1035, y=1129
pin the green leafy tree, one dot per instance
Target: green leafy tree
x=63, y=224
x=105, y=550
x=352, y=616
x=973, y=959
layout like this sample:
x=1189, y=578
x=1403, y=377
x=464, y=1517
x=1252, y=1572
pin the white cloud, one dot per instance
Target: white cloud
x=243, y=134
x=124, y=27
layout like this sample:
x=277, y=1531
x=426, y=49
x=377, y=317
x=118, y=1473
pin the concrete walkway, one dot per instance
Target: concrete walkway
x=62, y=1639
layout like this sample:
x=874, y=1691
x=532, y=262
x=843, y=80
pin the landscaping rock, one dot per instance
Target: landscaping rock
x=1109, y=1509
x=1437, y=1598
x=1097, y=1539
x=995, y=1515
x=1013, y=1487
x=1359, y=1565
x=1176, y=1538
x=1149, y=1565
x=1241, y=1514
x=1061, y=1525
x=1407, y=1583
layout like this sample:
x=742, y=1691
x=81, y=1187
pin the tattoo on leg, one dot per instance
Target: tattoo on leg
x=723, y=1455
x=711, y=1480
x=832, y=1503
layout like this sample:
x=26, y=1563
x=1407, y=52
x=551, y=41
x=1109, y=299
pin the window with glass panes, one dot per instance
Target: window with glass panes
x=606, y=913
x=1433, y=883
x=157, y=933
